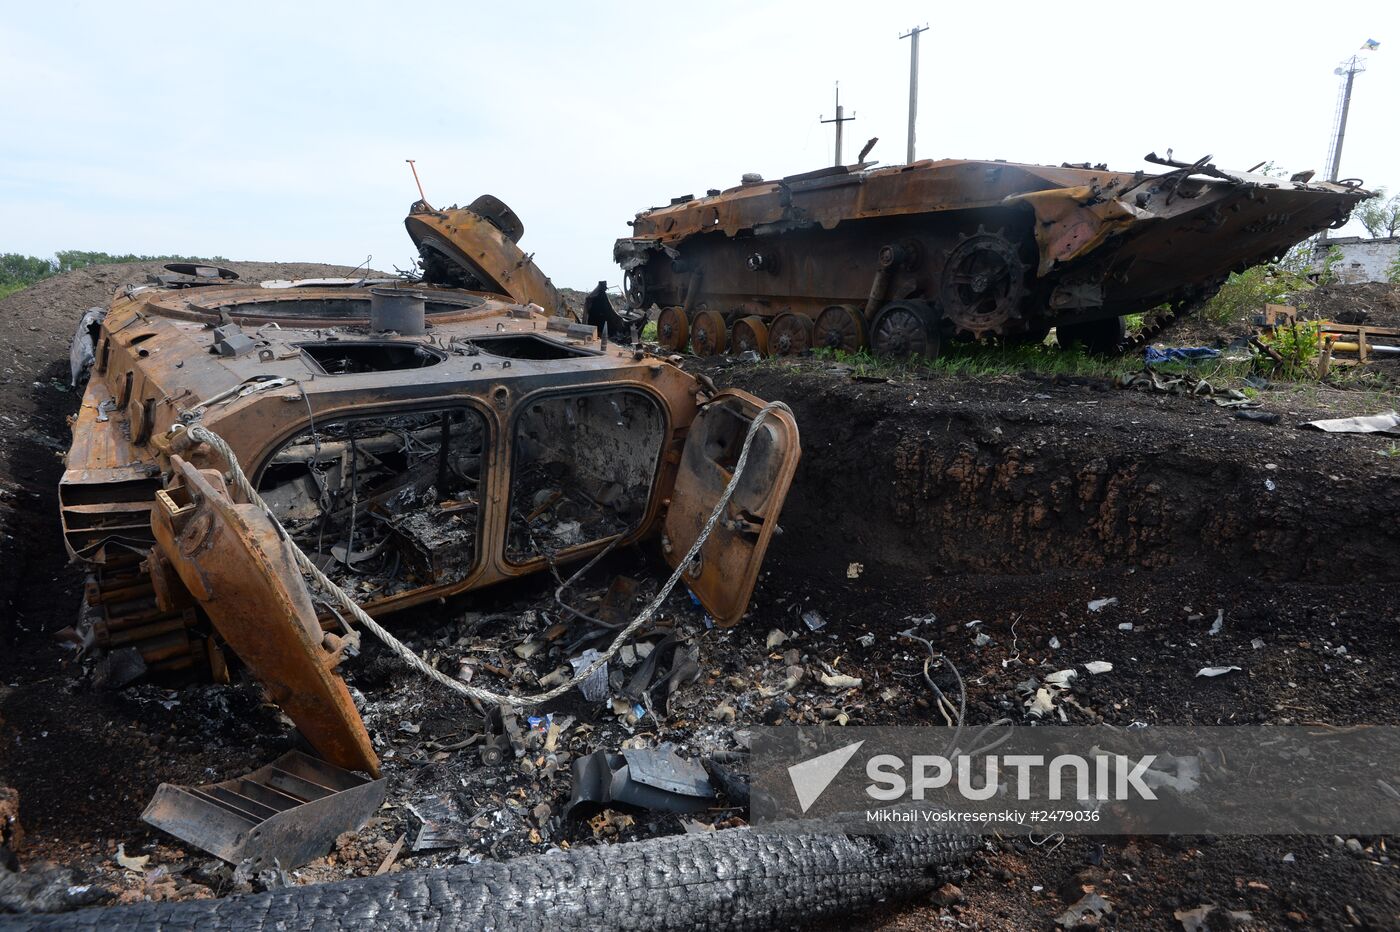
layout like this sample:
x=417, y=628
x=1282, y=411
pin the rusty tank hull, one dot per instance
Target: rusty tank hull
x=900, y=259
x=482, y=439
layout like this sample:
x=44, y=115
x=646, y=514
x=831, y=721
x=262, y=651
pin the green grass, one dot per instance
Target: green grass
x=649, y=332
x=974, y=359
x=7, y=290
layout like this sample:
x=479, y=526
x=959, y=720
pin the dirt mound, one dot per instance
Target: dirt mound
x=36, y=325
x=1373, y=303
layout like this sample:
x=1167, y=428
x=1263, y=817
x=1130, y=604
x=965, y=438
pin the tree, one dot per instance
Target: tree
x=16, y=269
x=1379, y=216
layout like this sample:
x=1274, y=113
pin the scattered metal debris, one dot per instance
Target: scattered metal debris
x=1087, y=911
x=442, y=823
x=639, y=779
x=595, y=686
x=283, y=814
x=1198, y=919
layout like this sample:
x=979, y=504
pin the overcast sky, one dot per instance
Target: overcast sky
x=279, y=131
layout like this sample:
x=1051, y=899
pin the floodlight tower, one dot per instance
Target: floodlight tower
x=1347, y=71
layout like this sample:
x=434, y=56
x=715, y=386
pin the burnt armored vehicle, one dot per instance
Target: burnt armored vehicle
x=412, y=440
x=898, y=259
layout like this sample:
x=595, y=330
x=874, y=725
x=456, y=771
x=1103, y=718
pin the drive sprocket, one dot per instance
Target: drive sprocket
x=983, y=283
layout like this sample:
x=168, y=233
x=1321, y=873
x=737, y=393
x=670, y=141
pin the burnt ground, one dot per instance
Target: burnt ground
x=1012, y=500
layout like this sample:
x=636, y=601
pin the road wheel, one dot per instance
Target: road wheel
x=840, y=327
x=790, y=334
x=906, y=328
x=708, y=334
x=750, y=333
x=672, y=329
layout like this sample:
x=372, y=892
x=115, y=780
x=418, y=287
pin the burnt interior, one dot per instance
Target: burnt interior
x=527, y=346
x=383, y=504
x=345, y=358
x=583, y=470
x=350, y=307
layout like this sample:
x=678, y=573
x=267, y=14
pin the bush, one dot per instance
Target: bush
x=1299, y=345
x=1247, y=292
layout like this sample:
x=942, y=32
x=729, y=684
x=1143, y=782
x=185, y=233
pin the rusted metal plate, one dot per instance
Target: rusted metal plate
x=483, y=246
x=281, y=815
x=726, y=569
x=240, y=569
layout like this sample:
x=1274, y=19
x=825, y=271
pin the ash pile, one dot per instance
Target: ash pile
x=652, y=744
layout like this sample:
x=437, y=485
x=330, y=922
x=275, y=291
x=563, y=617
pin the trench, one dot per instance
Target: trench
x=926, y=480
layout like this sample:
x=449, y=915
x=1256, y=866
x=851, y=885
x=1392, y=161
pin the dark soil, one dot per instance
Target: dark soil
x=1012, y=500
x=1375, y=304
x=1016, y=500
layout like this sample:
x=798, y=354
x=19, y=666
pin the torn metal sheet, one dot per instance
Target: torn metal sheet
x=639, y=779
x=281, y=815
x=1387, y=423
x=442, y=823
x=82, y=351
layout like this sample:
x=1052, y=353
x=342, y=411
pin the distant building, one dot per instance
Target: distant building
x=1363, y=260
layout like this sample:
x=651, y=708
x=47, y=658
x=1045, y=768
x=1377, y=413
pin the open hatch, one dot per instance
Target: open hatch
x=723, y=573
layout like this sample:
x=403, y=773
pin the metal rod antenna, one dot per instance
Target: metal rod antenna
x=913, y=36
x=423, y=197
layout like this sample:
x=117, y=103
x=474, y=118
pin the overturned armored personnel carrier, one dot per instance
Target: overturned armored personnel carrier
x=411, y=440
x=898, y=259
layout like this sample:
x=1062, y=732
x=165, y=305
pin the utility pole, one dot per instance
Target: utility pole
x=838, y=120
x=913, y=36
